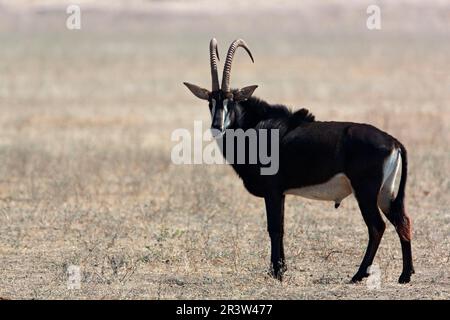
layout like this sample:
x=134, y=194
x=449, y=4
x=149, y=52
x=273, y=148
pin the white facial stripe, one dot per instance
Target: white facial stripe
x=213, y=110
x=225, y=113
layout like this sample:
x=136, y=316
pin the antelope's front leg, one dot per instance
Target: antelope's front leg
x=275, y=226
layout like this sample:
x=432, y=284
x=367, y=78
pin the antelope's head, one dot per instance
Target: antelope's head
x=222, y=101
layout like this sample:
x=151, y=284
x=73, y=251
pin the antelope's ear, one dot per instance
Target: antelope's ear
x=200, y=93
x=244, y=93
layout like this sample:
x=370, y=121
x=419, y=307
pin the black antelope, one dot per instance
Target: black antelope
x=322, y=160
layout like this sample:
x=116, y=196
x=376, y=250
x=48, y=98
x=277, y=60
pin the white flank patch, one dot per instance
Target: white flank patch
x=335, y=189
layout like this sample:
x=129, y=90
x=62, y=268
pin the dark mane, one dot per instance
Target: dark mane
x=259, y=110
x=303, y=115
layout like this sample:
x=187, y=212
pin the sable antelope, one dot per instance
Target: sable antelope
x=323, y=160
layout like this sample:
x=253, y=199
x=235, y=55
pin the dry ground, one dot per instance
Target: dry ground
x=85, y=171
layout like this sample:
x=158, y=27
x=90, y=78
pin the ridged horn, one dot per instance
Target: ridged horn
x=229, y=60
x=214, y=56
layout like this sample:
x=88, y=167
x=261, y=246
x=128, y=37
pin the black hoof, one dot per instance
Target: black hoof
x=405, y=277
x=359, y=276
x=278, y=270
x=276, y=275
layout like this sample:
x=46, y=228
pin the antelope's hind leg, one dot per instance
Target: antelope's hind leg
x=366, y=195
x=401, y=222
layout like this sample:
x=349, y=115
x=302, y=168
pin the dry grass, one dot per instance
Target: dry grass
x=86, y=177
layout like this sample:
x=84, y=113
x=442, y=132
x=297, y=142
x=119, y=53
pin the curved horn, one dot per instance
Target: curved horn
x=214, y=56
x=227, y=67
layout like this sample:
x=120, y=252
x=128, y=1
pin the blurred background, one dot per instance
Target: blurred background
x=85, y=123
